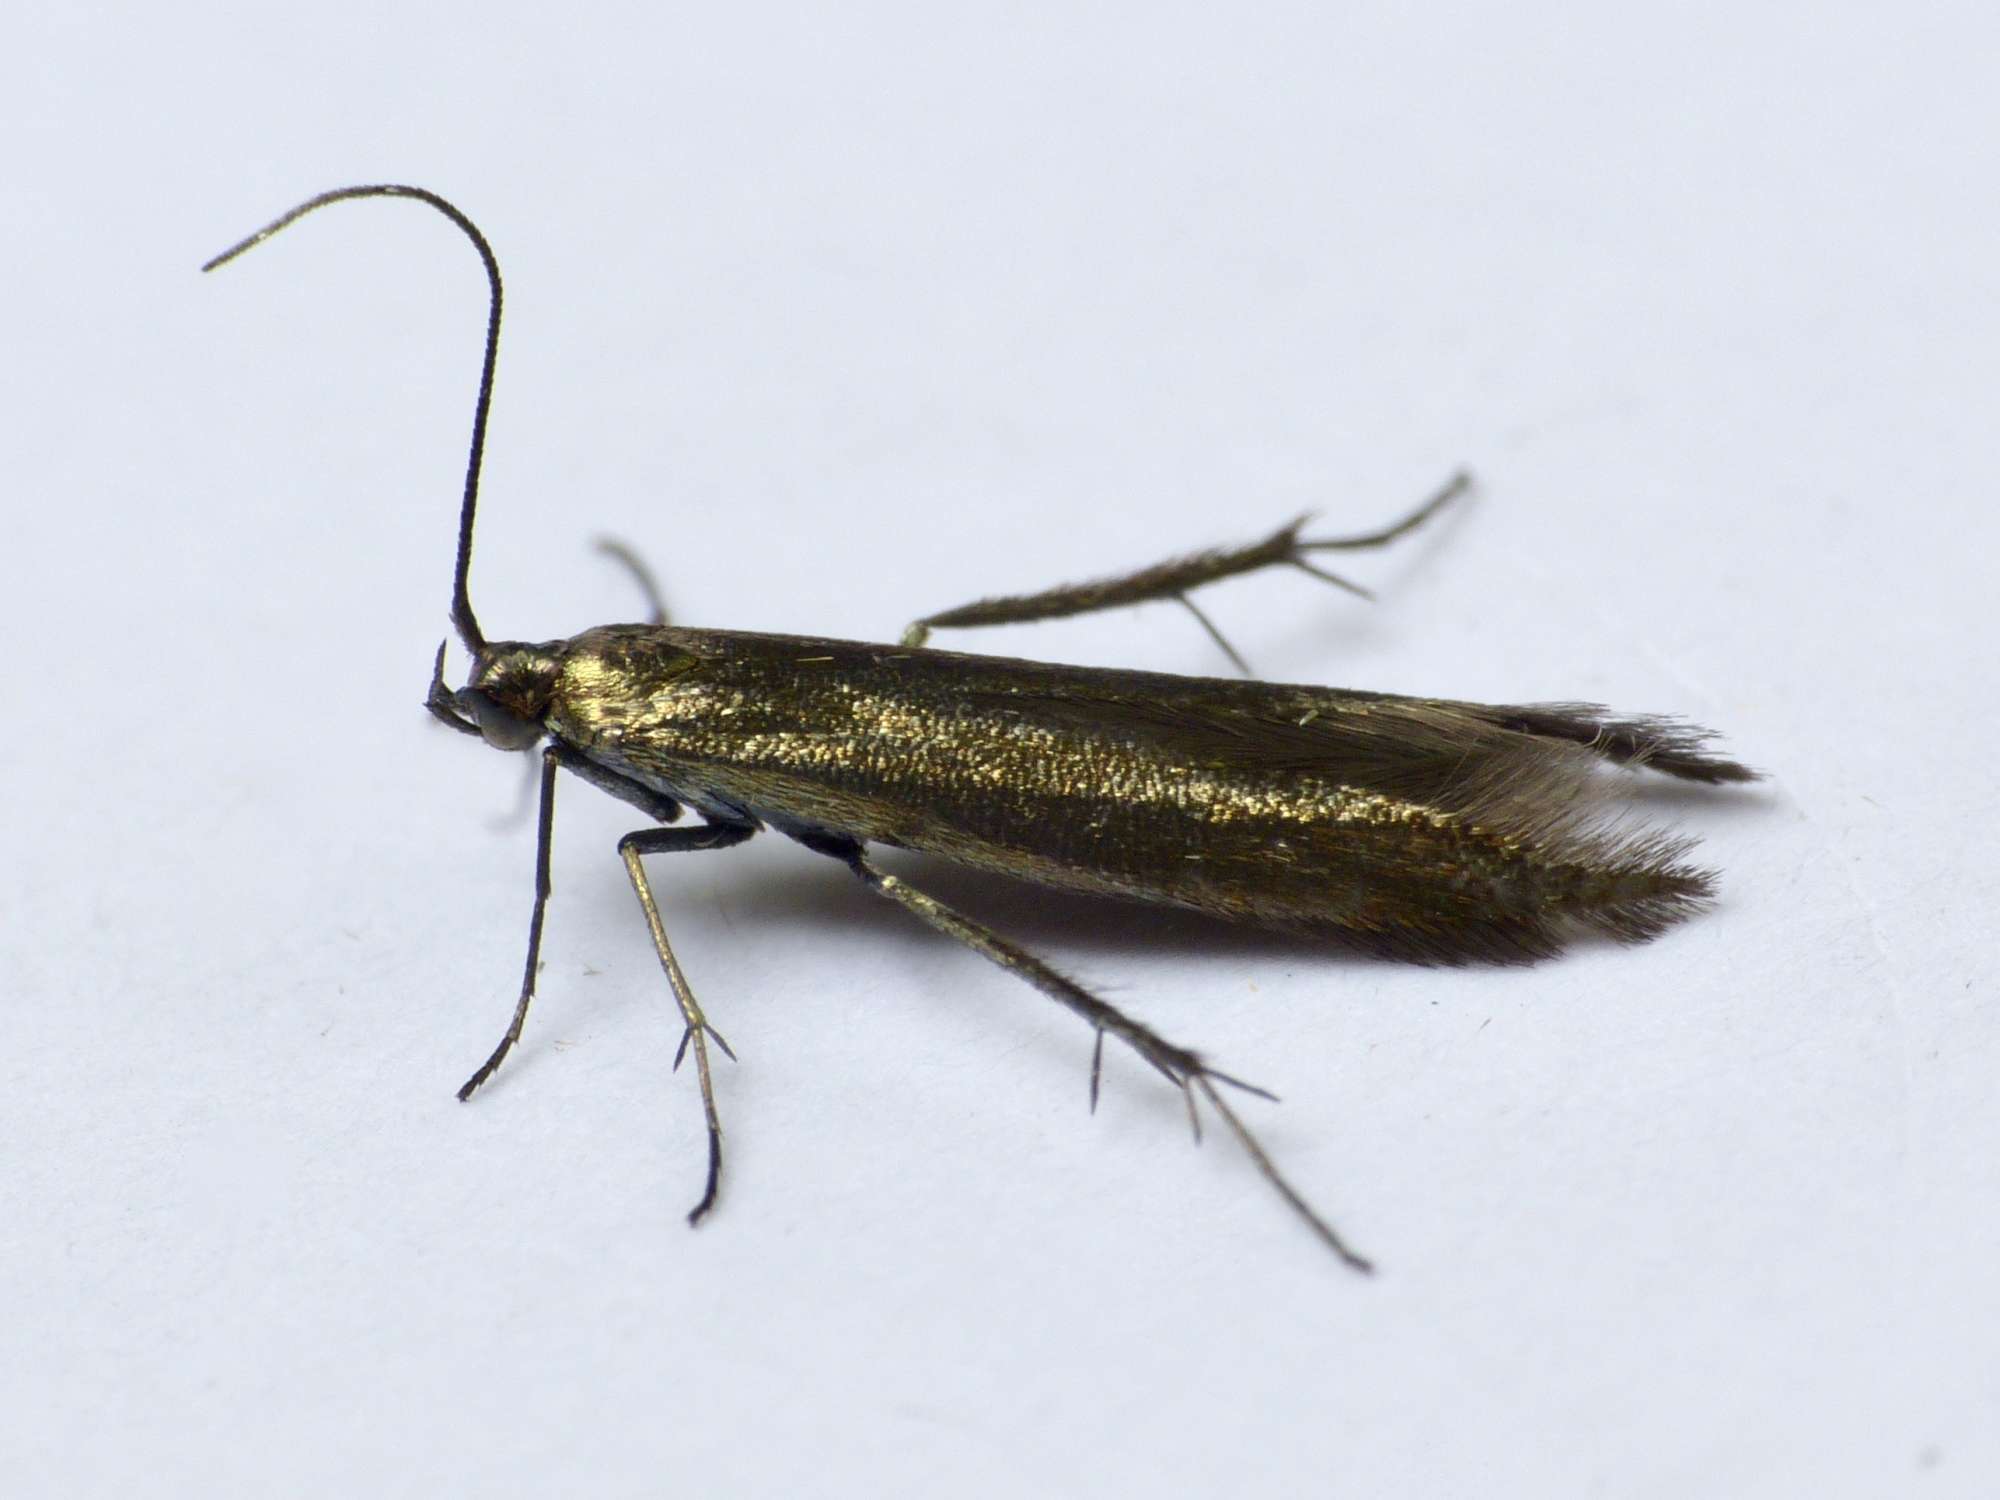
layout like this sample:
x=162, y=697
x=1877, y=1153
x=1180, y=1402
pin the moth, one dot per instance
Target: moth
x=1418, y=829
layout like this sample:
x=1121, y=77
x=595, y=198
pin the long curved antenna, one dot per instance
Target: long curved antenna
x=462, y=618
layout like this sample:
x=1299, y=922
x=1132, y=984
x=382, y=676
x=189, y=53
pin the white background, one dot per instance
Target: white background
x=845, y=320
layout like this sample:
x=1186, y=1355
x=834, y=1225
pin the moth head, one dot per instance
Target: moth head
x=506, y=695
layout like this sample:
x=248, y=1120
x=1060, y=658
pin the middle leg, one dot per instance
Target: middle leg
x=698, y=1032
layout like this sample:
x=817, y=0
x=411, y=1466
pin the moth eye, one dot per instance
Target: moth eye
x=504, y=729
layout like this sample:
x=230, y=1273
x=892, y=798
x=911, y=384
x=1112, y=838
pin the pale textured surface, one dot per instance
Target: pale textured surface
x=845, y=323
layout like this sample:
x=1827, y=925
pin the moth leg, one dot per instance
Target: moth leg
x=698, y=1032
x=665, y=809
x=559, y=757
x=1216, y=635
x=1176, y=578
x=552, y=757
x=1184, y=1068
x=642, y=575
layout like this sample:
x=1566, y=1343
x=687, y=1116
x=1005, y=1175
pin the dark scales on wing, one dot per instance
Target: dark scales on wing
x=1416, y=828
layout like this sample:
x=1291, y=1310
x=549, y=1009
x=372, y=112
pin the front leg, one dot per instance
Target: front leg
x=554, y=757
